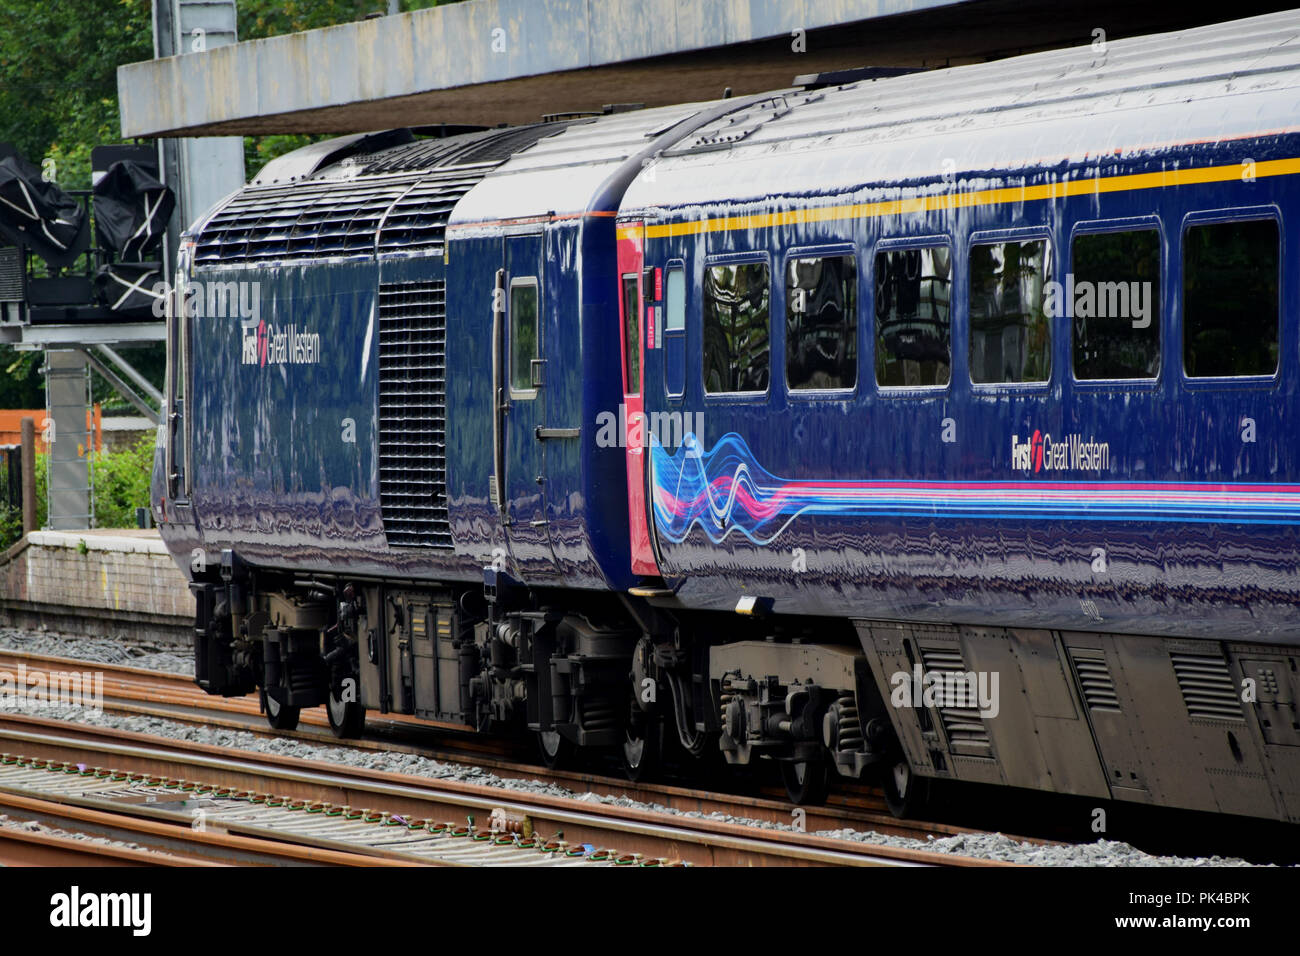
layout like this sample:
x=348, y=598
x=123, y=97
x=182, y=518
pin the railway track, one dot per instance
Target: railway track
x=136, y=691
x=84, y=832
x=387, y=816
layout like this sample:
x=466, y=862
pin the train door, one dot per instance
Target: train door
x=177, y=478
x=523, y=408
x=631, y=299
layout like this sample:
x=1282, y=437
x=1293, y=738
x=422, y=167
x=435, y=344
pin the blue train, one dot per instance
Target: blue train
x=926, y=427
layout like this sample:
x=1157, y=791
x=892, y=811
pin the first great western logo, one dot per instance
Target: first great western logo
x=1073, y=452
x=265, y=343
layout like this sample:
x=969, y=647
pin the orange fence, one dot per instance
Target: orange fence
x=11, y=426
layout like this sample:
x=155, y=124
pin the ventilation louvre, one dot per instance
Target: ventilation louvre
x=1097, y=684
x=417, y=221
x=396, y=200
x=488, y=148
x=963, y=725
x=305, y=221
x=413, y=414
x=1208, y=690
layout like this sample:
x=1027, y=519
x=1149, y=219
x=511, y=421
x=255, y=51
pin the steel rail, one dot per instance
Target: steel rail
x=696, y=840
x=856, y=809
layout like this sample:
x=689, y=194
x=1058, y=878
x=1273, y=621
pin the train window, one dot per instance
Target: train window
x=821, y=323
x=675, y=306
x=1114, y=304
x=1230, y=298
x=631, y=333
x=523, y=333
x=1010, y=330
x=913, y=316
x=736, y=335
x=674, y=353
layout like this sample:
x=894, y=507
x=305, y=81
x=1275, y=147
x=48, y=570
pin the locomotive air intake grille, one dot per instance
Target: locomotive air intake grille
x=293, y=223
x=313, y=221
x=959, y=707
x=1208, y=690
x=1097, y=685
x=413, y=414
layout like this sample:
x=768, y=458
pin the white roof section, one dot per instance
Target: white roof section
x=562, y=174
x=1137, y=95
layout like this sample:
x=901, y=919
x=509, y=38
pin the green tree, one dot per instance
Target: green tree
x=58, y=77
x=259, y=19
x=58, y=100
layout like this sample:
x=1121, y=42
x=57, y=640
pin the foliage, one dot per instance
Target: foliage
x=58, y=77
x=121, y=482
x=21, y=382
x=23, y=386
x=11, y=526
x=58, y=100
x=260, y=150
x=259, y=19
x=11, y=519
x=59, y=60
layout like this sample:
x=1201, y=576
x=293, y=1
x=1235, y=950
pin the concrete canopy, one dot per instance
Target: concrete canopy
x=509, y=61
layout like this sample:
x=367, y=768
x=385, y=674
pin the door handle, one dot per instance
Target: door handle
x=544, y=433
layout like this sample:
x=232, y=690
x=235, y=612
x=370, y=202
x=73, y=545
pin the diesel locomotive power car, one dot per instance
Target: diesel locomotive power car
x=938, y=426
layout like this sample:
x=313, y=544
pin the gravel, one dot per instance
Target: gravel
x=32, y=826
x=100, y=650
x=992, y=846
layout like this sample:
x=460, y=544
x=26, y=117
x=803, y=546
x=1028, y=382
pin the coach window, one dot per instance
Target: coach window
x=913, y=316
x=1010, y=329
x=631, y=335
x=675, y=319
x=523, y=333
x=821, y=323
x=675, y=331
x=737, y=343
x=1112, y=296
x=1230, y=298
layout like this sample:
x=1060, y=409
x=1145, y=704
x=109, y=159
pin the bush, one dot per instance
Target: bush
x=11, y=526
x=121, y=483
x=120, y=480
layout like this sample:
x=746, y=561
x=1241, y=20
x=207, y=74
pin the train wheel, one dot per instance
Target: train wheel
x=642, y=749
x=905, y=792
x=347, y=718
x=806, y=781
x=279, y=716
x=556, y=751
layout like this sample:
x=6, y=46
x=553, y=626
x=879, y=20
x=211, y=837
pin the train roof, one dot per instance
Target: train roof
x=563, y=174
x=384, y=193
x=396, y=192
x=1138, y=95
